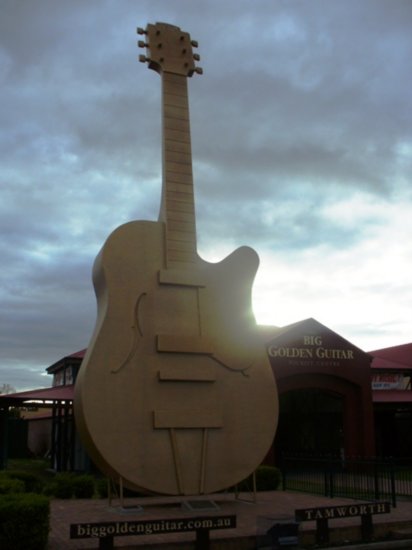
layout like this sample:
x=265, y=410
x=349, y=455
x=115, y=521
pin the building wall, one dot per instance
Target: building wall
x=309, y=356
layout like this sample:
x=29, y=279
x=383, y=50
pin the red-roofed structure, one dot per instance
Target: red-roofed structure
x=64, y=446
x=44, y=396
x=401, y=355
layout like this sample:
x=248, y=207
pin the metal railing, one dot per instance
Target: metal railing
x=357, y=478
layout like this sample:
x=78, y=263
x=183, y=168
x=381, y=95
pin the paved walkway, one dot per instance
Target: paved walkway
x=252, y=519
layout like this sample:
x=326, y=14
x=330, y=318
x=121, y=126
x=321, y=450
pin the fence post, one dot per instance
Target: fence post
x=325, y=477
x=284, y=478
x=392, y=475
x=283, y=462
x=376, y=478
x=332, y=482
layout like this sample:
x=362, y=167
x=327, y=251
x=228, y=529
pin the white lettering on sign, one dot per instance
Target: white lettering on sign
x=316, y=351
x=336, y=512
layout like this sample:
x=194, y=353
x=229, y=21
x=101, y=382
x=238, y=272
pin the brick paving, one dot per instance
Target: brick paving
x=253, y=518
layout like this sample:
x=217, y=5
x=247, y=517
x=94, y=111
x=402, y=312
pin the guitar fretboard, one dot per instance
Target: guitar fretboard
x=177, y=208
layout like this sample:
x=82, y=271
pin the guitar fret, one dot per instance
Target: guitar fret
x=178, y=147
x=174, y=127
x=181, y=236
x=179, y=177
x=176, y=113
x=178, y=157
x=178, y=196
x=181, y=258
x=180, y=206
x=175, y=225
x=176, y=100
x=181, y=216
x=186, y=246
x=179, y=168
x=177, y=135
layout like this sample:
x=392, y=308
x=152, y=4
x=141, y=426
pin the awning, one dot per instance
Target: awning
x=56, y=393
x=392, y=396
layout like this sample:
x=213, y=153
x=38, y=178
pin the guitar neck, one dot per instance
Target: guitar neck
x=177, y=206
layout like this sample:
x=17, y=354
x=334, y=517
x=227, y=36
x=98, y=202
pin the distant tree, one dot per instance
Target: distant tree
x=7, y=388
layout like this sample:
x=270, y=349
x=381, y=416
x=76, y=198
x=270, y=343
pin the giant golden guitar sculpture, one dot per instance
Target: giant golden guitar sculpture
x=175, y=394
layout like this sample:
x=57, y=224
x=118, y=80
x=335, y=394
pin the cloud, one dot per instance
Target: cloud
x=302, y=148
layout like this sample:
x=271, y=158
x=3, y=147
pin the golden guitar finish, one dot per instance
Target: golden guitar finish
x=175, y=394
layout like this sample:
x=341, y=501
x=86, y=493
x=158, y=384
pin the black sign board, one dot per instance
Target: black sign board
x=150, y=527
x=336, y=512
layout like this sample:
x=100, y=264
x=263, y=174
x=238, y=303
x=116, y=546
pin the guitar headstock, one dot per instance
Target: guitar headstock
x=169, y=50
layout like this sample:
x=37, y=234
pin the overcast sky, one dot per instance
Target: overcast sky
x=302, y=148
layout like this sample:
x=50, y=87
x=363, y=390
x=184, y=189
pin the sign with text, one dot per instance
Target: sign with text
x=150, y=527
x=389, y=381
x=345, y=511
x=312, y=350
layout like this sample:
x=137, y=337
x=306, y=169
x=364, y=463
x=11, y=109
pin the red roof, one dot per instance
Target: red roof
x=56, y=393
x=384, y=364
x=393, y=357
x=78, y=354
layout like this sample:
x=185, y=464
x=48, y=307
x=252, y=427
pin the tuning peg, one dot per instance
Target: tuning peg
x=199, y=70
x=194, y=43
x=143, y=59
x=196, y=57
x=139, y=30
x=142, y=44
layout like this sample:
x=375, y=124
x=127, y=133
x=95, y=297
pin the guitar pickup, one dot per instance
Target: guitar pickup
x=178, y=373
x=181, y=278
x=184, y=344
x=189, y=418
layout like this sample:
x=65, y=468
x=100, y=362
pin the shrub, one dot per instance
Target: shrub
x=101, y=487
x=268, y=478
x=83, y=486
x=9, y=486
x=67, y=484
x=24, y=521
x=63, y=486
x=32, y=483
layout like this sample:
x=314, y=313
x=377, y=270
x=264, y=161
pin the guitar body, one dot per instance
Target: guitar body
x=175, y=394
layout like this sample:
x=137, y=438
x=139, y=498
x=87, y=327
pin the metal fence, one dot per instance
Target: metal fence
x=357, y=478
